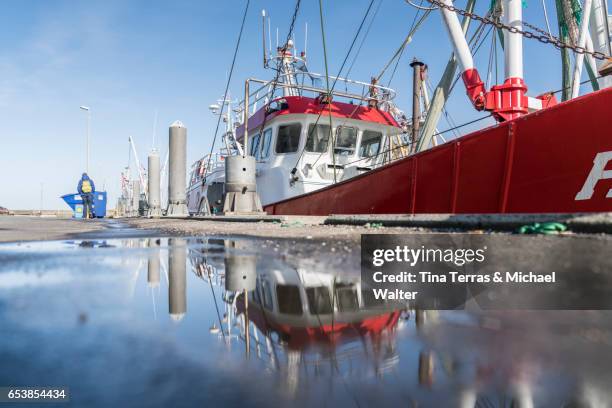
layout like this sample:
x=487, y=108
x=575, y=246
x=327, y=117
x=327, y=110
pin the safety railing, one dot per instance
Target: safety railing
x=206, y=166
x=314, y=85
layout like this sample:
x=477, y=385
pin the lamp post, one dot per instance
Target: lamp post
x=86, y=108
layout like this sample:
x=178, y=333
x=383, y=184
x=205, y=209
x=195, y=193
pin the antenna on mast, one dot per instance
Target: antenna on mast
x=277, y=37
x=269, y=36
x=263, y=21
x=305, y=38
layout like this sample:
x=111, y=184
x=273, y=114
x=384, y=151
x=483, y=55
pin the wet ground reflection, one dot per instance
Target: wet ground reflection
x=180, y=321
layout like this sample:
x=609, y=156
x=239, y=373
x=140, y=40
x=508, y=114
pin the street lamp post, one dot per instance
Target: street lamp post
x=86, y=108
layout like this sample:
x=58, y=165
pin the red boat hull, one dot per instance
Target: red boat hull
x=534, y=164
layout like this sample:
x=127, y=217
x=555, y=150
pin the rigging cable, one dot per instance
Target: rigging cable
x=492, y=55
x=407, y=40
x=229, y=78
x=337, y=76
x=352, y=42
x=365, y=35
x=546, y=18
x=419, y=8
x=327, y=86
x=409, y=144
x=414, y=27
x=476, y=48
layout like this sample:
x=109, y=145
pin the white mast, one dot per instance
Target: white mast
x=508, y=100
x=287, y=71
x=460, y=45
x=474, y=85
x=513, y=50
x=582, y=39
x=600, y=33
x=143, y=185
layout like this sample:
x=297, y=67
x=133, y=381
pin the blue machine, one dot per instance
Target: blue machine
x=75, y=202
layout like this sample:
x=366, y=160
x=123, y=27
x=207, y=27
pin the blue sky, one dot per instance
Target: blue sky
x=128, y=59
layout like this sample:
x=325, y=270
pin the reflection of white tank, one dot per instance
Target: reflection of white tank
x=153, y=264
x=240, y=273
x=177, y=276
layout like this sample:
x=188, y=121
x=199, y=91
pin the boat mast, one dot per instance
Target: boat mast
x=513, y=42
x=508, y=100
x=287, y=75
x=513, y=53
x=565, y=56
x=442, y=91
x=582, y=39
x=600, y=33
x=471, y=78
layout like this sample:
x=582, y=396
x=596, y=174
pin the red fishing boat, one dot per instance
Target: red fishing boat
x=550, y=161
x=321, y=151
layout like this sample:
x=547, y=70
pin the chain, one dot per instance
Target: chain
x=541, y=36
x=539, y=30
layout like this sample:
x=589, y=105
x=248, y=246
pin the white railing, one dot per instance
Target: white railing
x=344, y=88
x=207, y=165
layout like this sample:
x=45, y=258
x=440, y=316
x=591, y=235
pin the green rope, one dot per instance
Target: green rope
x=547, y=228
x=576, y=10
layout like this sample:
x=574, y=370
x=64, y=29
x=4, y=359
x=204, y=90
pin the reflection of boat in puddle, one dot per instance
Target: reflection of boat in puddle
x=292, y=318
x=304, y=328
x=307, y=308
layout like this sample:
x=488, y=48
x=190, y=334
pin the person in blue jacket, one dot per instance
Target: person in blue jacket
x=86, y=189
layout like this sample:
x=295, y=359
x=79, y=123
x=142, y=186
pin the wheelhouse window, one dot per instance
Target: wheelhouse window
x=319, y=301
x=288, y=138
x=289, y=301
x=266, y=294
x=254, y=148
x=318, y=138
x=265, y=144
x=369, y=300
x=347, y=299
x=346, y=140
x=370, y=143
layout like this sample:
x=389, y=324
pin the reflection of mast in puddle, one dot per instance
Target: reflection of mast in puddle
x=177, y=274
x=137, y=261
x=153, y=268
x=240, y=277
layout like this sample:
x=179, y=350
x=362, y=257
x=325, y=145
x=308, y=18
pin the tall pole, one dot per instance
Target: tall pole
x=246, y=119
x=582, y=39
x=513, y=42
x=88, y=138
x=88, y=110
x=417, y=67
x=247, y=335
x=565, y=56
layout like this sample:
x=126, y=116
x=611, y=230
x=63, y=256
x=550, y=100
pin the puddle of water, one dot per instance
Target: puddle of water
x=161, y=322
